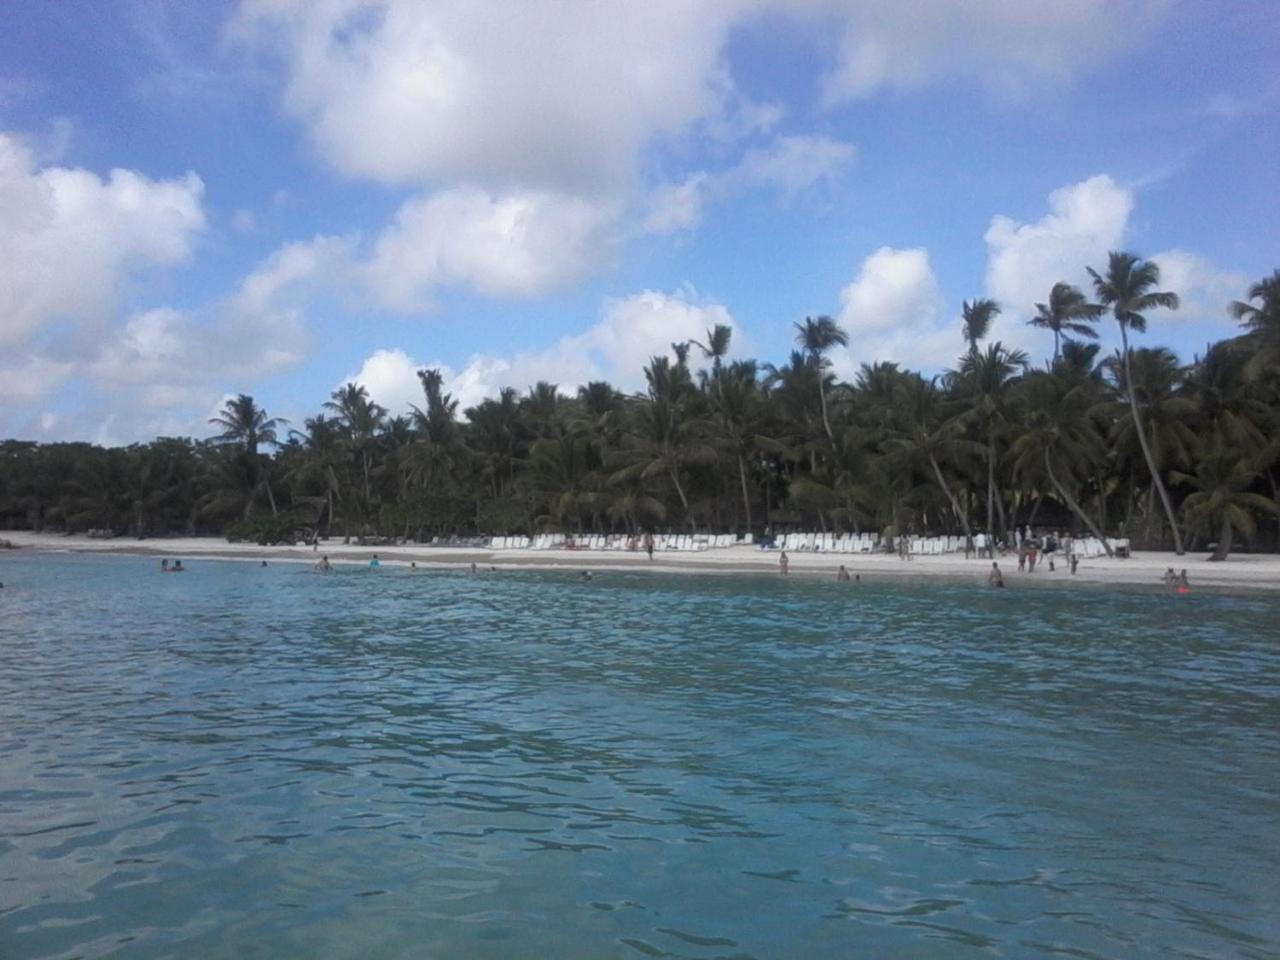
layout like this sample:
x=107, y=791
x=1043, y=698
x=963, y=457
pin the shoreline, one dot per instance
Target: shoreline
x=1247, y=573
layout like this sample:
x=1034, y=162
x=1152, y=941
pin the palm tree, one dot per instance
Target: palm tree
x=1222, y=499
x=1128, y=290
x=987, y=378
x=816, y=337
x=1069, y=311
x=922, y=430
x=243, y=421
x=1263, y=324
x=1059, y=428
x=361, y=418
x=976, y=319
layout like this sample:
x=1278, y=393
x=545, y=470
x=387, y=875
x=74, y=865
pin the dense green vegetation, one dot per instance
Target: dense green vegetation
x=1134, y=444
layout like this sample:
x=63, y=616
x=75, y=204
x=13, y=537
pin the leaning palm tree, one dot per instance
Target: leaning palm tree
x=1067, y=311
x=976, y=319
x=817, y=336
x=1128, y=290
x=1263, y=323
x=1221, y=497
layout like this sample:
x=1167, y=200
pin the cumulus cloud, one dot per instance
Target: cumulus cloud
x=890, y=311
x=1204, y=289
x=73, y=240
x=481, y=91
x=517, y=244
x=1085, y=222
x=1007, y=45
x=631, y=330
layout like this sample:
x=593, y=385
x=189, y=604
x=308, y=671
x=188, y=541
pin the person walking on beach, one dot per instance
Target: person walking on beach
x=784, y=563
x=994, y=578
x=648, y=544
x=1075, y=562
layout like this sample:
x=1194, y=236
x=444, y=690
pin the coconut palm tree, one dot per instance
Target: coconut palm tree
x=986, y=379
x=975, y=321
x=1221, y=497
x=1263, y=323
x=1059, y=433
x=922, y=429
x=1128, y=290
x=243, y=421
x=816, y=336
x=1067, y=311
x=361, y=418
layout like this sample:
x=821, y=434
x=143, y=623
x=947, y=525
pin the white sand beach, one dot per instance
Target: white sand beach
x=1238, y=572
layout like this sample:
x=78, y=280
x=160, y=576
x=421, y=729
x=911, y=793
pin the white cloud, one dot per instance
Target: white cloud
x=31, y=378
x=517, y=244
x=480, y=91
x=790, y=164
x=676, y=206
x=1085, y=222
x=890, y=311
x=1007, y=45
x=73, y=240
x=630, y=331
x=1205, y=290
x=794, y=163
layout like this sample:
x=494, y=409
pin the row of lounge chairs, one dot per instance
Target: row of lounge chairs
x=662, y=542
x=1083, y=547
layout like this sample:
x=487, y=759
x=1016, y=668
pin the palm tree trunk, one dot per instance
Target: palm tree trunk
x=746, y=499
x=1071, y=502
x=1146, y=449
x=991, y=493
x=946, y=489
x=1223, y=548
x=822, y=396
x=271, y=499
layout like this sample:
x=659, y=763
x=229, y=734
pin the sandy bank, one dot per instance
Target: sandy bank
x=1239, y=572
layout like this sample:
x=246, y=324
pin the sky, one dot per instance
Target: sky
x=276, y=197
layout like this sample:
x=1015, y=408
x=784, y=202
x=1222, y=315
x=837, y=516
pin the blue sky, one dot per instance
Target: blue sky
x=273, y=197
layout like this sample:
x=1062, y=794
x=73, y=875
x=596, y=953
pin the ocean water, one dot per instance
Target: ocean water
x=271, y=763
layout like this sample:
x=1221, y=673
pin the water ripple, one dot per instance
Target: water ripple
x=407, y=763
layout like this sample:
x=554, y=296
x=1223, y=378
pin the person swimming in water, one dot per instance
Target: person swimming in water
x=177, y=567
x=164, y=565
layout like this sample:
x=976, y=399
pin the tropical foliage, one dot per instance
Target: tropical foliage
x=1133, y=444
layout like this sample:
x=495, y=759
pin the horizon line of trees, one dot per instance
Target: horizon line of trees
x=1132, y=444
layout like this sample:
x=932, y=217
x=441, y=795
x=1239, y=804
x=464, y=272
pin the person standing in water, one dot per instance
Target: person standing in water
x=375, y=562
x=842, y=574
x=784, y=563
x=648, y=544
x=994, y=578
x=324, y=566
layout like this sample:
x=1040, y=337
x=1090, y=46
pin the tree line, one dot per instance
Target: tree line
x=1135, y=443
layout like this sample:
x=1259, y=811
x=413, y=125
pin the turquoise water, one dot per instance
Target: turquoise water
x=248, y=762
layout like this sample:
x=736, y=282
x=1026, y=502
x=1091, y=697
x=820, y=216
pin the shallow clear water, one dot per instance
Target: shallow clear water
x=248, y=762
